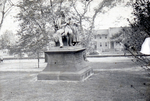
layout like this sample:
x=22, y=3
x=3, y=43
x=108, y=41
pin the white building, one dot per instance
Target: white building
x=103, y=41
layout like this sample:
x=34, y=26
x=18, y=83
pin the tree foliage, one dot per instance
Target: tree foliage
x=33, y=22
x=133, y=37
x=37, y=21
x=140, y=25
x=142, y=15
x=7, y=40
x=139, y=29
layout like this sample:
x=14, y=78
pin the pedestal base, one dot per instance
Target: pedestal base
x=66, y=64
x=67, y=76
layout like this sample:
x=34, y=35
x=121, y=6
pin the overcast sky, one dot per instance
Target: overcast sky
x=115, y=17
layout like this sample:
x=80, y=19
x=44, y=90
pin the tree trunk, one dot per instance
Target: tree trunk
x=38, y=60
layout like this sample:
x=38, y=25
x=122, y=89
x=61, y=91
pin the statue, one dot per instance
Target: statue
x=63, y=28
x=67, y=64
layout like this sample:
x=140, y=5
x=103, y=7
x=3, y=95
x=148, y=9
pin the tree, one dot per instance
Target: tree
x=37, y=21
x=133, y=37
x=5, y=8
x=141, y=23
x=7, y=40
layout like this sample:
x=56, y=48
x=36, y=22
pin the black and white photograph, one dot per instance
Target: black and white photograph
x=74, y=50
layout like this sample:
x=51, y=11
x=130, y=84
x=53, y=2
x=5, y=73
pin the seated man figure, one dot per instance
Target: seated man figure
x=64, y=29
x=58, y=37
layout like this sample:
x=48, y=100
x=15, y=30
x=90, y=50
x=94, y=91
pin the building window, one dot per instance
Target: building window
x=100, y=44
x=105, y=37
x=106, y=44
x=100, y=37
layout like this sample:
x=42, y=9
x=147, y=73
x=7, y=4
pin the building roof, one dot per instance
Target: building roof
x=101, y=32
x=114, y=30
x=111, y=31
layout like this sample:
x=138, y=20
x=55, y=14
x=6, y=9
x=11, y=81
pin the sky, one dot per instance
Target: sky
x=115, y=17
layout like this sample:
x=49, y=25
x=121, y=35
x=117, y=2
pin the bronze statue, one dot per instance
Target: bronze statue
x=64, y=29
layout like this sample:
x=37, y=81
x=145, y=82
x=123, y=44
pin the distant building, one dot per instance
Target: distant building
x=5, y=53
x=103, y=42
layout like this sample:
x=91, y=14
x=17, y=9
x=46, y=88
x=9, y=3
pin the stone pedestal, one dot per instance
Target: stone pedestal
x=66, y=63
